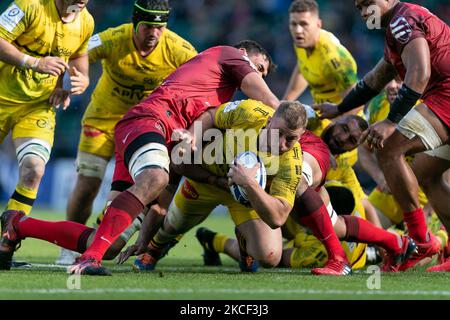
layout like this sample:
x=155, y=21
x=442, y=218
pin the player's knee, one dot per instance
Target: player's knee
x=90, y=165
x=270, y=259
x=32, y=170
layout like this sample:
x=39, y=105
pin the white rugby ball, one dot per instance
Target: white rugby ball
x=249, y=160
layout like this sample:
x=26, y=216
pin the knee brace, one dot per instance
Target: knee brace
x=90, y=165
x=151, y=155
x=34, y=148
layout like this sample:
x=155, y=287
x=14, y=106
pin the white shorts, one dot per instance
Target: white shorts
x=414, y=124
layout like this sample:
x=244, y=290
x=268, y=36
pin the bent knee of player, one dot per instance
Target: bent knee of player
x=340, y=228
x=270, y=258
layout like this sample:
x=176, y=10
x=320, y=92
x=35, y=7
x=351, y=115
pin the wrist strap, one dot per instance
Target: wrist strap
x=358, y=96
x=406, y=99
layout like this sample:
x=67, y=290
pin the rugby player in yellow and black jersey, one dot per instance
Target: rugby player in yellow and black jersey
x=39, y=41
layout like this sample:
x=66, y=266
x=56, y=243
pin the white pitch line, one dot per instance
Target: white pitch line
x=228, y=291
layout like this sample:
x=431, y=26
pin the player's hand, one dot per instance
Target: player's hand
x=186, y=141
x=326, y=110
x=241, y=175
x=133, y=250
x=378, y=133
x=78, y=81
x=52, y=65
x=60, y=96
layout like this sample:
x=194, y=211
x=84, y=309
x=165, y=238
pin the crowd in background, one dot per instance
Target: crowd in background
x=206, y=23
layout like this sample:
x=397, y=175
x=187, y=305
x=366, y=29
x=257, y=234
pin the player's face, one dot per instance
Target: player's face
x=286, y=137
x=365, y=7
x=81, y=4
x=343, y=135
x=261, y=63
x=148, y=35
x=392, y=90
x=304, y=28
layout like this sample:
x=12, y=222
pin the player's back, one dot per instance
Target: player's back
x=207, y=80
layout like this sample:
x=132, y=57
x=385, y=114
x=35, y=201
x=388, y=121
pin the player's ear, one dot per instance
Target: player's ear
x=319, y=23
x=243, y=51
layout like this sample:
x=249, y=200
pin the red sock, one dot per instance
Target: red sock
x=360, y=230
x=314, y=215
x=417, y=226
x=66, y=234
x=119, y=215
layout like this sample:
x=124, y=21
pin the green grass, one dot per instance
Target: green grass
x=181, y=276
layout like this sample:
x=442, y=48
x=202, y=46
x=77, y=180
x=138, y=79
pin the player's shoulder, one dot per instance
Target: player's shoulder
x=173, y=40
x=328, y=42
x=87, y=18
x=117, y=33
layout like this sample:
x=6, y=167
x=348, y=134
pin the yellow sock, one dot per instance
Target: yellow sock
x=22, y=199
x=219, y=242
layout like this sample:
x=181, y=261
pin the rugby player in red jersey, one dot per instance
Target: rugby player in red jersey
x=417, y=49
x=143, y=140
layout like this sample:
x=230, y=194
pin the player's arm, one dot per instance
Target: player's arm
x=254, y=86
x=416, y=59
x=48, y=65
x=197, y=173
x=366, y=89
x=297, y=85
x=272, y=210
x=369, y=163
x=79, y=74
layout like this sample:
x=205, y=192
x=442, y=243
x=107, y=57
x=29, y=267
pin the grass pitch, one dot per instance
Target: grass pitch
x=181, y=275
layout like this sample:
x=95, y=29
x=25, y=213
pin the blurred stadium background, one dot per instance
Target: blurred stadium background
x=204, y=23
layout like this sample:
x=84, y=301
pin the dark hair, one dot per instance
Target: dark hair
x=140, y=14
x=304, y=6
x=342, y=199
x=253, y=47
x=161, y=5
x=293, y=113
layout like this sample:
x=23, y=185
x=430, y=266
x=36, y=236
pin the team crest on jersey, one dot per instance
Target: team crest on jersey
x=401, y=30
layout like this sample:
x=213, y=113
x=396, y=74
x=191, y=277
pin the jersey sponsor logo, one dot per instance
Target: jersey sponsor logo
x=61, y=52
x=134, y=94
x=11, y=17
x=188, y=191
x=401, y=30
x=94, y=42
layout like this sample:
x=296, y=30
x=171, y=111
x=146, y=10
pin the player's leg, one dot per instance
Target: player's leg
x=32, y=135
x=311, y=211
x=432, y=171
x=192, y=203
x=141, y=153
x=418, y=131
x=260, y=242
x=352, y=228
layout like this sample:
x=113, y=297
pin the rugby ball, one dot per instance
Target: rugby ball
x=249, y=160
